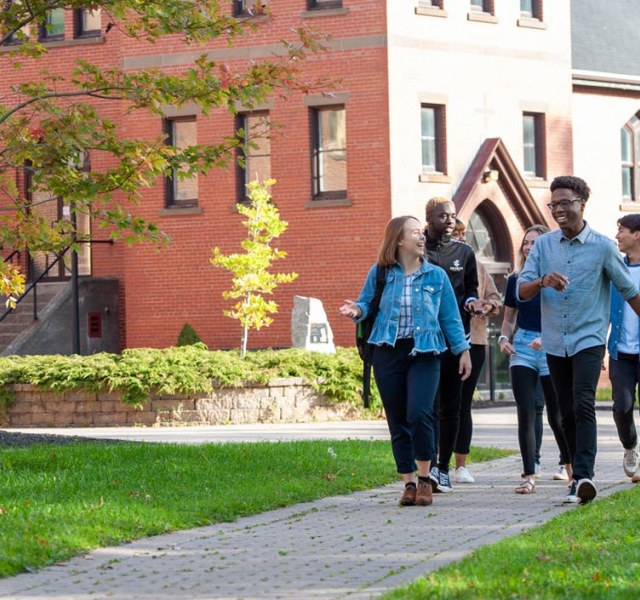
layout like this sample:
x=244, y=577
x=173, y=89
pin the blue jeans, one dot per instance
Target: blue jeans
x=575, y=379
x=625, y=375
x=528, y=357
x=407, y=386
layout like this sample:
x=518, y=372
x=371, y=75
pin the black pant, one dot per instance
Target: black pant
x=465, y=429
x=575, y=379
x=524, y=382
x=447, y=408
x=407, y=386
x=625, y=376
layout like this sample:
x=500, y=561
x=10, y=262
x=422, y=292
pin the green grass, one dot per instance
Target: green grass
x=603, y=394
x=60, y=501
x=590, y=552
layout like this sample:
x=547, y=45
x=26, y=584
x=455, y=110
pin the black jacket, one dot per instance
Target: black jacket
x=459, y=261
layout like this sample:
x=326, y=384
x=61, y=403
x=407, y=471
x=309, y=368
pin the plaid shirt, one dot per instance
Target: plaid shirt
x=405, y=323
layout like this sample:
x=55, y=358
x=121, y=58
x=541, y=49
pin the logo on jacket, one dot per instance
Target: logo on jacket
x=455, y=266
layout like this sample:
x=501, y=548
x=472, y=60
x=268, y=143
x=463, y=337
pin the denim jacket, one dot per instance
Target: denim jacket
x=434, y=307
x=615, y=318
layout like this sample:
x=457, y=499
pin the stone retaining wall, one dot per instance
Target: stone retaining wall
x=288, y=400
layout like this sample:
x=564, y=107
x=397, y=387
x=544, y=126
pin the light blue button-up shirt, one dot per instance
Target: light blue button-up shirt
x=577, y=318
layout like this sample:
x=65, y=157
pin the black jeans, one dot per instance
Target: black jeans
x=524, y=382
x=625, y=376
x=447, y=408
x=465, y=429
x=407, y=386
x=575, y=379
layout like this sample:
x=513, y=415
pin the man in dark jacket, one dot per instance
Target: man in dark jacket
x=459, y=262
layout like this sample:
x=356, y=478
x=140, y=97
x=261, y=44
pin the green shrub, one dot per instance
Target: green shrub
x=188, y=336
x=139, y=372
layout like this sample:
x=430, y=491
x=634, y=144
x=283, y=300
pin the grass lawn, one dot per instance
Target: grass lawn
x=590, y=552
x=60, y=501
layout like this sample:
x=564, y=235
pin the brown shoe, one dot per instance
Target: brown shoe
x=409, y=496
x=424, y=494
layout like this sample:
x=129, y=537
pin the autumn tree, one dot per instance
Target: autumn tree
x=252, y=280
x=49, y=124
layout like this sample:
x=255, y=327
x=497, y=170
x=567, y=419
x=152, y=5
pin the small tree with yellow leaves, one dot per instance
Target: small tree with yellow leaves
x=252, y=280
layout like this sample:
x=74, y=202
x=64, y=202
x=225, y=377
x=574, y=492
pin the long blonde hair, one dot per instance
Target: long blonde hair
x=540, y=229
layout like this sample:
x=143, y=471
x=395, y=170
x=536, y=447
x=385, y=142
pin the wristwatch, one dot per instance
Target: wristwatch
x=503, y=337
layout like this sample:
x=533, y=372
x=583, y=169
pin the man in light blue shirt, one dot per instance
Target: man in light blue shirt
x=573, y=269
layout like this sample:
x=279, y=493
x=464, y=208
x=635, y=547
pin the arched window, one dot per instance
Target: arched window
x=630, y=159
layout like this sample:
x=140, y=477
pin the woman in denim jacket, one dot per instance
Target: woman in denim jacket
x=418, y=314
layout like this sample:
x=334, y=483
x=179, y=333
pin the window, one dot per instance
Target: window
x=320, y=4
x=249, y=7
x=431, y=3
x=533, y=144
x=257, y=154
x=181, y=190
x=329, y=170
x=432, y=135
x=20, y=35
x=481, y=6
x=88, y=22
x=630, y=155
x=53, y=27
x=531, y=9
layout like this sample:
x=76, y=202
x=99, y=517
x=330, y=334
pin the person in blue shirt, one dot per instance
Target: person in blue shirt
x=572, y=269
x=624, y=349
x=520, y=340
x=417, y=320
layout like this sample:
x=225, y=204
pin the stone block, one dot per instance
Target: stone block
x=63, y=419
x=110, y=419
x=244, y=415
x=92, y=406
x=310, y=328
x=142, y=417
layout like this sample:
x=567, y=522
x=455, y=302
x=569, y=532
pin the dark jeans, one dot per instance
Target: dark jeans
x=447, y=408
x=465, y=429
x=407, y=386
x=625, y=376
x=575, y=379
x=524, y=382
x=539, y=396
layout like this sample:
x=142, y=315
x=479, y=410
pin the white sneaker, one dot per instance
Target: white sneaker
x=630, y=462
x=561, y=474
x=463, y=475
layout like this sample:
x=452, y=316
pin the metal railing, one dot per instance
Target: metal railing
x=34, y=285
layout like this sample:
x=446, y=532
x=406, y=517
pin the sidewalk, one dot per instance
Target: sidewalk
x=355, y=546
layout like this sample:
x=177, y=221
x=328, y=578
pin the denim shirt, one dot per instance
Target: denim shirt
x=434, y=308
x=615, y=318
x=577, y=318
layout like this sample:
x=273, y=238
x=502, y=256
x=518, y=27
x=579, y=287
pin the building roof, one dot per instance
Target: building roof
x=605, y=36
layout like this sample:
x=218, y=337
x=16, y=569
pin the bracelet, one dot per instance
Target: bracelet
x=503, y=337
x=541, y=284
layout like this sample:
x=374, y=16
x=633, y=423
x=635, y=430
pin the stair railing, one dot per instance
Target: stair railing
x=33, y=285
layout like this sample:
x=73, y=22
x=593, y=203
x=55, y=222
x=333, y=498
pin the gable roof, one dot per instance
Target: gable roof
x=494, y=157
x=604, y=36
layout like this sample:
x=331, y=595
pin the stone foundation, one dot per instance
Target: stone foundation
x=288, y=400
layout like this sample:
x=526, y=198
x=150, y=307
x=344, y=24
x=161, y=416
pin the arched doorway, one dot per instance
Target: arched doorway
x=484, y=233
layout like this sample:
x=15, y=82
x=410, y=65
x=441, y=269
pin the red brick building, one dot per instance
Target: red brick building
x=467, y=99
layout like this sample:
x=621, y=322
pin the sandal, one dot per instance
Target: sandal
x=527, y=486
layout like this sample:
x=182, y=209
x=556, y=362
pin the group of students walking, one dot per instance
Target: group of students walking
x=430, y=333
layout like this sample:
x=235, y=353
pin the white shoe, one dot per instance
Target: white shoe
x=561, y=474
x=463, y=475
x=630, y=461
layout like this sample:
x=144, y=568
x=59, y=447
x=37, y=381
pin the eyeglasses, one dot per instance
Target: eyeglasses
x=563, y=204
